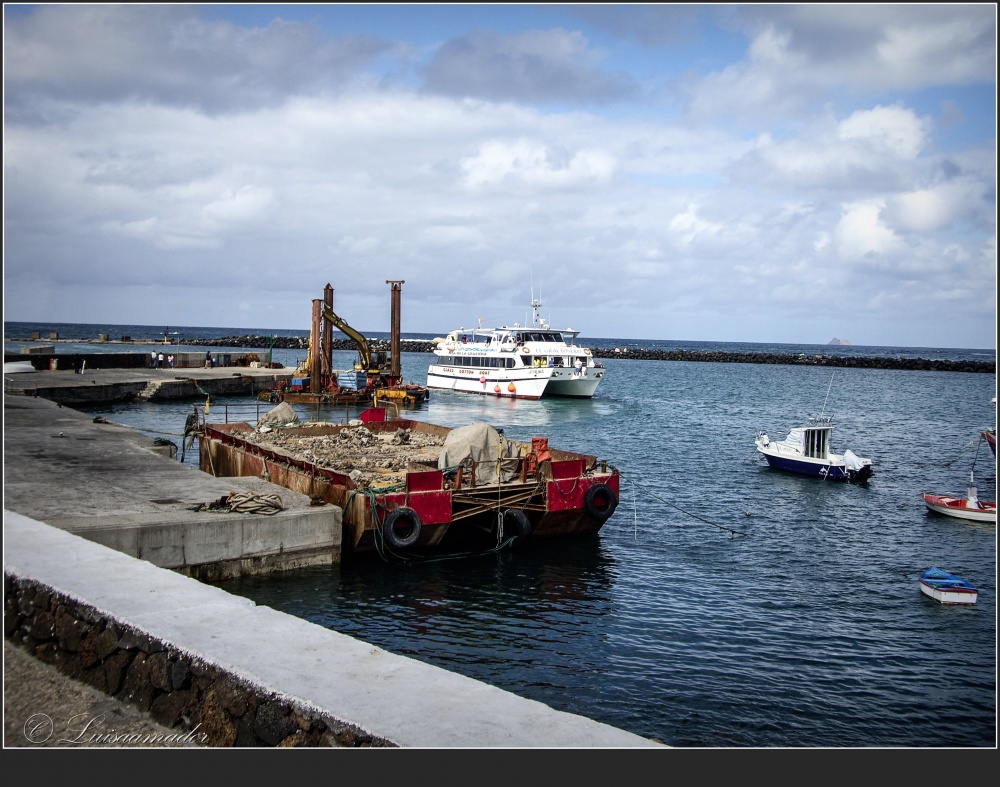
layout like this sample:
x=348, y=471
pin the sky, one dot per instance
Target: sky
x=726, y=173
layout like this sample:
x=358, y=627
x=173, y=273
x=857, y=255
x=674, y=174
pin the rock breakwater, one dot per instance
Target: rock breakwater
x=802, y=359
x=649, y=354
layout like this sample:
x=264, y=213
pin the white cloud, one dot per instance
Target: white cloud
x=536, y=164
x=896, y=131
x=239, y=207
x=149, y=145
x=860, y=233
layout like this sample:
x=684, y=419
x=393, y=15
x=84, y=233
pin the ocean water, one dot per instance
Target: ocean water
x=725, y=604
x=173, y=334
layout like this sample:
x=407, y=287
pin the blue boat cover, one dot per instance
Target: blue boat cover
x=938, y=578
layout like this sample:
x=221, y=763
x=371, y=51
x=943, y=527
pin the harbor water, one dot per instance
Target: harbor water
x=724, y=604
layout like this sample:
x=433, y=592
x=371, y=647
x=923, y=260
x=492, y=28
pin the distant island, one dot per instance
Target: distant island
x=844, y=342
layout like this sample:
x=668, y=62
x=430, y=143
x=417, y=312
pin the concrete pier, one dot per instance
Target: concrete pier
x=103, y=386
x=108, y=484
x=93, y=520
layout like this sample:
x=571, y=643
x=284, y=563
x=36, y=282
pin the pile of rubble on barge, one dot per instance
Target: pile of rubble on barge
x=406, y=485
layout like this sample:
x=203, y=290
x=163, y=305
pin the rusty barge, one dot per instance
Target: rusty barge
x=406, y=486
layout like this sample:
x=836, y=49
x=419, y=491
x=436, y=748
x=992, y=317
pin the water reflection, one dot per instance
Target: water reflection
x=445, y=611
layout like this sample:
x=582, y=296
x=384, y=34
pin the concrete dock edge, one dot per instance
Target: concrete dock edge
x=89, y=608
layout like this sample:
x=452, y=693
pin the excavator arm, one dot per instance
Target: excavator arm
x=364, y=353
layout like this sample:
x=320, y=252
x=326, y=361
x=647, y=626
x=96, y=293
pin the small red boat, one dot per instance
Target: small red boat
x=968, y=507
x=990, y=436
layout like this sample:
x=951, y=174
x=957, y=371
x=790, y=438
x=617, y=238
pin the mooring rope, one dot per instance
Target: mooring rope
x=695, y=516
x=101, y=420
x=249, y=503
x=242, y=503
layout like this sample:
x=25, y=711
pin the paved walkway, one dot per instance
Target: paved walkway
x=42, y=708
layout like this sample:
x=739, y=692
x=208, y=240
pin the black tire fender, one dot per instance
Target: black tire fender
x=517, y=524
x=600, y=502
x=401, y=527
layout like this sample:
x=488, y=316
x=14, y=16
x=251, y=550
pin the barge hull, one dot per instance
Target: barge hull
x=548, y=492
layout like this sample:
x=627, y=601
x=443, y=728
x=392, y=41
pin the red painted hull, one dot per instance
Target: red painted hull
x=567, y=493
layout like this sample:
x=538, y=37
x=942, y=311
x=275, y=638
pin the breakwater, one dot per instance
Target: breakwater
x=653, y=354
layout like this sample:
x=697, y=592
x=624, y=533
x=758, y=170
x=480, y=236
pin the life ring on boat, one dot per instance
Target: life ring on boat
x=401, y=527
x=600, y=502
x=586, y=351
x=517, y=524
x=526, y=350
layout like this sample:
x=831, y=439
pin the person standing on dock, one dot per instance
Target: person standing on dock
x=159, y=361
x=152, y=356
x=170, y=361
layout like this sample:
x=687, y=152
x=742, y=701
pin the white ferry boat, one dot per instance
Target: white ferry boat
x=516, y=362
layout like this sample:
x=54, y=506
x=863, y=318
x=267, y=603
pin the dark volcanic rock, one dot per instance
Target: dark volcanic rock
x=645, y=354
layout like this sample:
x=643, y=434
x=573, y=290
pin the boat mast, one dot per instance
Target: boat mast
x=537, y=321
x=827, y=397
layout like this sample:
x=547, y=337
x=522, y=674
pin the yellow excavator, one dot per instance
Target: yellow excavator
x=370, y=361
x=381, y=378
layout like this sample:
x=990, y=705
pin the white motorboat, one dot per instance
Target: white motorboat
x=518, y=362
x=806, y=450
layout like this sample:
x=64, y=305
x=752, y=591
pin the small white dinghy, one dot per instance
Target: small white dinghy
x=947, y=588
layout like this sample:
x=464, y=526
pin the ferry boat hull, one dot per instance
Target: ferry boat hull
x=517, y=362
x=531, y=384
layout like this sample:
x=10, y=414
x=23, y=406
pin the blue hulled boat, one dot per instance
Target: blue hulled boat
x=806, y=450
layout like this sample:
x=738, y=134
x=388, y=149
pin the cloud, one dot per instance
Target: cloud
x=239, y=208
x=873, y=149
x=537, y=66
x=796, y=51
x=169, y=55
x=893, y=131
x=859, y=232
x=536, y=164
x=146, y=146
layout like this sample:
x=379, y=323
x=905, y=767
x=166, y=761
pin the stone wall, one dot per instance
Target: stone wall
x=201, y=701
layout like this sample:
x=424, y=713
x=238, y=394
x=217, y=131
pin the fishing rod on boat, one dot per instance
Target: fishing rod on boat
x=963, y=449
